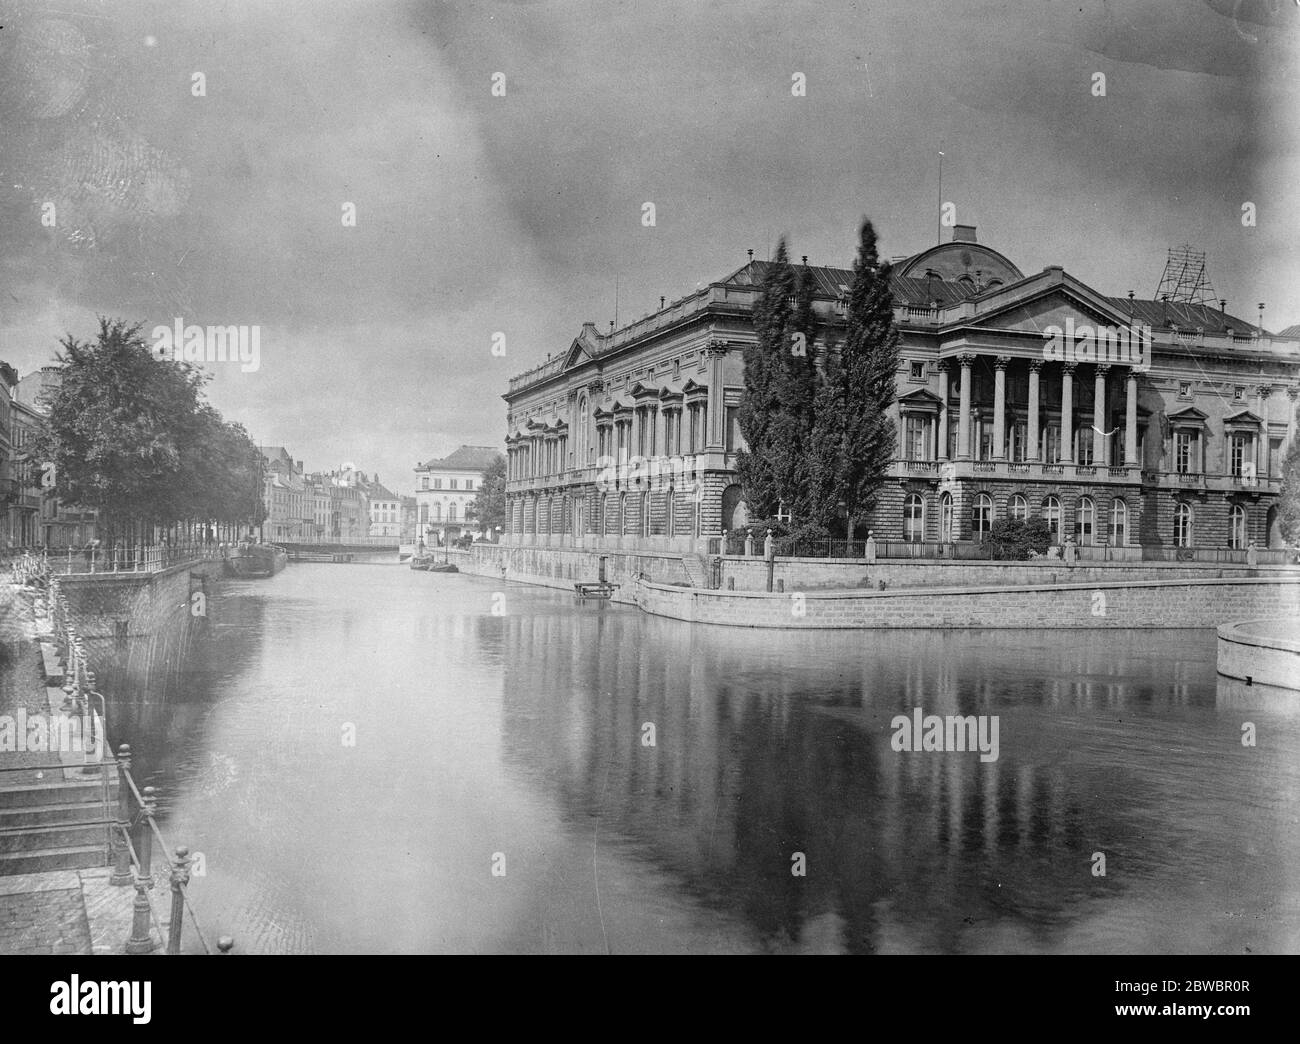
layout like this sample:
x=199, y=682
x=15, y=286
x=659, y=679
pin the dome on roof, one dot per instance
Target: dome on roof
x=961, y=259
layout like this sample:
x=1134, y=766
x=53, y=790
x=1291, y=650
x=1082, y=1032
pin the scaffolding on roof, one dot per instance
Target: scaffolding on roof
x=1184, y=278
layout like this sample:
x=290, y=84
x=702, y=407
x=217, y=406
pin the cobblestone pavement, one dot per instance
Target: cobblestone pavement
x=43, y=914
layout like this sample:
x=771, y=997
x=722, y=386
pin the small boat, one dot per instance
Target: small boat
x=421, y=561
x=443, y=567
x=254, y=560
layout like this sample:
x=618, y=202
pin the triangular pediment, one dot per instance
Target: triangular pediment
x=1243, y=417
x=1050, y=299
x=920, y=397
x=1188, y=413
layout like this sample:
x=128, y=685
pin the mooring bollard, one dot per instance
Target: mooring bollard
x=780, y=586
x=144, y=840
x=225, y=944
x=122, y=874
x=180, y=878
x=140, y=942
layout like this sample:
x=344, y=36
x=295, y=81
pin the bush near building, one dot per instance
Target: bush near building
x=1016, y=539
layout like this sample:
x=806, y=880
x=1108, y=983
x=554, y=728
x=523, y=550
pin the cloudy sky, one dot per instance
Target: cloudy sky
x=477, y=213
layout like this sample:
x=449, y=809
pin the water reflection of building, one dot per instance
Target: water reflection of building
x=762, y=752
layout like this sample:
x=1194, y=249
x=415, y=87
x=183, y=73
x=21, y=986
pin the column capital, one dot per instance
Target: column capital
x=1035, y=365
x=1264, y=390
x=596, y=385
x=1067, y=369
x=1293, y=393
x=1103, y=369
x=716, y=346
x=1001, y=362
x=944, y=365
x=967, y=360
x=1131, y=373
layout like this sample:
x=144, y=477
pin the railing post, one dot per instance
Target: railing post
x=121, y=847
x=144, y=842
x=140, y=942
x=180, y=878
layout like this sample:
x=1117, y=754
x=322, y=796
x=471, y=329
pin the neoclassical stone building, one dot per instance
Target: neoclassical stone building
x=1121, y=421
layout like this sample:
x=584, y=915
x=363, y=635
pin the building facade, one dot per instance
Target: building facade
x=289, y=514
x=1120, y=421
x=384, y=508
x=444, y=490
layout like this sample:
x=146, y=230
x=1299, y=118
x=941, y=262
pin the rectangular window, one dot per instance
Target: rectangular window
x=918, y=371
x=1183, y=452
x=437, y=483
x=1084, y=455
x=1184, y=389
x=915, y=441
x=424, y=481
x=1275, y=457
x=453, y=483
x=469, y=483
x=729, y=416
x=1242, y=454
x=1017, y=437
x=1052, y=444
x=1239, y=393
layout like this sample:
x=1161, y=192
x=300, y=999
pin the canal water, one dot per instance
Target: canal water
x=372, y=759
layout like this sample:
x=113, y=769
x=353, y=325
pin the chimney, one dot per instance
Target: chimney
x=963, y=234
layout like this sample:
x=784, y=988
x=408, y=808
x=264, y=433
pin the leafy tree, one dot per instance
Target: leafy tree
x=130, y=436
x=854, y=438
x=1288, y=504
x=488, y=507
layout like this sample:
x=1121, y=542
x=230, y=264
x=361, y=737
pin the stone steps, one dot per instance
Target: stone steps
x=42, y=860
x=56, y=836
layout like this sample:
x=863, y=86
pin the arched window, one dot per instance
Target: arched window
x=1085, y=518
x=1052, y=516
x=1183, y=525
x=981, y=516
x=604, y=504
x=622, y=513
x=671, y=513
x=437, y=512
x=1018, y=508
x=451, y=512
x=945, y=518
x=645, y=514
x=1237, y=527
x=1118, y=522
x=582, y=431
x=913, y=519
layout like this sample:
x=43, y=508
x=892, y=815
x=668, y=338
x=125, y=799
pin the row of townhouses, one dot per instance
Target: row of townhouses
x=1130, y=422
x=339, y=505
x=32, y=515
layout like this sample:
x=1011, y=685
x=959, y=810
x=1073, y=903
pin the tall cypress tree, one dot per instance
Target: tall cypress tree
x=760, y=403
x=854, y=440
x=1288, y=501
x=796, y=393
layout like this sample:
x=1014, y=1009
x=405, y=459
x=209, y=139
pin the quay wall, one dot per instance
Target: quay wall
x=1263, y=652
x=562, y=567
x=138, y=627
x=750, y=574
x=1129, y=604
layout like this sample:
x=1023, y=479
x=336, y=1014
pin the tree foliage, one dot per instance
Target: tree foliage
x=131, y=436
x=488, y=507
x=1288, y=504
x=776, y=407
x=1017, y=539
